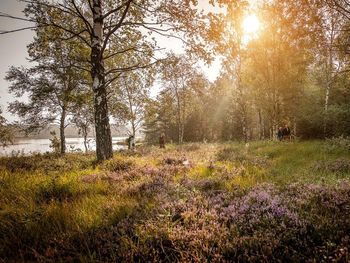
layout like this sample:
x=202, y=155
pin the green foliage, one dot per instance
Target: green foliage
x=6, y=133
x=55, y=142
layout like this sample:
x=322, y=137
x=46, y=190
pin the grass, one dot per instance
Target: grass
x=196, y=202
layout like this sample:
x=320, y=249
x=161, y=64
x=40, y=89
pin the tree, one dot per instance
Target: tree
x=176, y=75
x=231, y=46
x=329, y=60
x=130, y=96
x=83, y=117
x=277, y=63
x=180, y=108
x=52, y=85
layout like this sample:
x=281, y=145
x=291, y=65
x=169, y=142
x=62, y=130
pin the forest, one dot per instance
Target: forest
x=210, y=178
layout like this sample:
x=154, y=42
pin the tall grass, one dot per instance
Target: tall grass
x=260, y=201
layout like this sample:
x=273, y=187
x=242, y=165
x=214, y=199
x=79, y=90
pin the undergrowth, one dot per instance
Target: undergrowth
x=261, y=201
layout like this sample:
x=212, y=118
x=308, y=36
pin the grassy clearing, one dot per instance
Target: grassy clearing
x=262, y=201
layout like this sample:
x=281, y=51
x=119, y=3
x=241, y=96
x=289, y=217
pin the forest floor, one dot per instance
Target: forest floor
x=257, y=202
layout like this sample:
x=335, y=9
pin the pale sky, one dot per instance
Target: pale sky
x=13, y=49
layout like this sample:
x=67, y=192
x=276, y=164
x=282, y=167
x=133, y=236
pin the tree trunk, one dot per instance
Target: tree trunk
x=85, y=139
x=133, y=115
x=241, y=100
x=179, y=121
x=326, y=102
x=244, y=128
x=103, y=131
x=275, y=116
x=133, y=126
x=329, y=78
x=260, y=125
x=328, y=88
x=62, y=135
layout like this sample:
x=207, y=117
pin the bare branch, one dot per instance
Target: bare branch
x=116, y=9
x=109, y=82
x=131, y=68
x=80, y=15
x=120, y=52
x=117, y=26
x=16, y=17
x=16, y=30
x=74, y=34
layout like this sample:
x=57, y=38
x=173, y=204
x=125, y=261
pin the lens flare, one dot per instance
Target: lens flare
x=251, y=24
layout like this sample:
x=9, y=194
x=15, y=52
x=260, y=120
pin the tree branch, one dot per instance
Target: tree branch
x=3, y=32
x=116, y=27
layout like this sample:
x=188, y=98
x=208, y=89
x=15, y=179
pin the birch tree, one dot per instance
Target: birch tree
x=130, y=97
x=176, y=74
x=83, y=120
x=328, y=59
x=232, y=48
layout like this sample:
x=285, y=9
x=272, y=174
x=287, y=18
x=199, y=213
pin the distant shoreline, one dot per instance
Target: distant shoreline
x=28, y=146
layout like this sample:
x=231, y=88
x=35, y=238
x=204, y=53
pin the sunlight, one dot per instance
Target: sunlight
x=251, y=24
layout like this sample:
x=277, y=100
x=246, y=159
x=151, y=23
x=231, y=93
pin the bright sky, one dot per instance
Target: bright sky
x=13, y=49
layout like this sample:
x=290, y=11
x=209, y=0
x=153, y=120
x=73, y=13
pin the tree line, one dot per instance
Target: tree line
x=94, y=60
x=294, y=72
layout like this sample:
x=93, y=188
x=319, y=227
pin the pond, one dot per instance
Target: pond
x=30, y=146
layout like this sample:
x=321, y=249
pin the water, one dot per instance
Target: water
x=30, y=146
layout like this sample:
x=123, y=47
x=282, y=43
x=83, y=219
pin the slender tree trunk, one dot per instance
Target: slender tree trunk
x=241, y=100
x=182, y=131
x=133, y=115
x=326, y=102
x=244, y=127
x=263, y=130
x=183, y=114
x=329, y=79
x=62, y=127
x=275, y=116
x=85, y=139
x=103, y=131
x=133, y=126
x=294, y=127
x=260, y=125
x=179, y=122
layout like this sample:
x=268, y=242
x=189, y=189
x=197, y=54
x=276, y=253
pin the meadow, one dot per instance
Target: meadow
x=258, y=202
